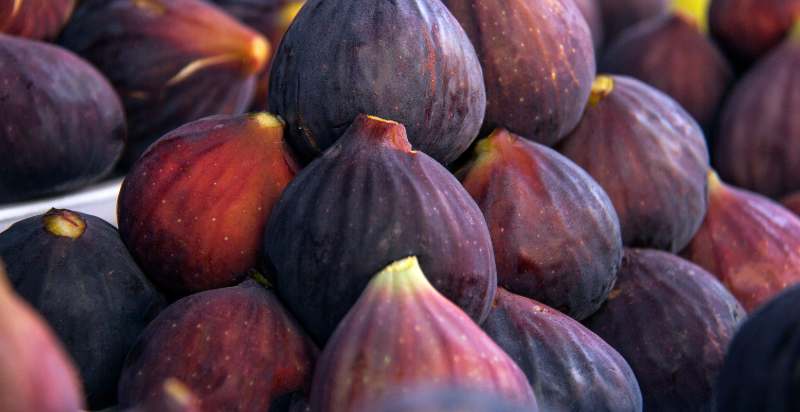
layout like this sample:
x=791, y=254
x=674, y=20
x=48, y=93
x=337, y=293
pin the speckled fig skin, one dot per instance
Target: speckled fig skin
x=171, y=61
x=760, y=125
x=63, y=125
x=590, y=9
x=650, y=157
x=370, y=200
x=443, y=399
x=236, y=348
x=408, y=61
x=551, y=41
x=619, y=15
x=760, y=369
x=545, y=247
x=194, y=207
x=749, y=242
x=672, y=321
x=35, y=19
x=414, y=337
x=569, y=367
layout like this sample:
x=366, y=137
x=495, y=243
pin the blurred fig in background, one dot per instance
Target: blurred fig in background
x=590, y=9
x=792, y=202
x=538, y=63
x=35, y=19
x=171, y=61
x=432, y=398
x=618, y=15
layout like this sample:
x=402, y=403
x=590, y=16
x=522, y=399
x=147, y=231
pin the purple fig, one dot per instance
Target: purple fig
x=619, y=15
x=590, y=9
x=36, y=19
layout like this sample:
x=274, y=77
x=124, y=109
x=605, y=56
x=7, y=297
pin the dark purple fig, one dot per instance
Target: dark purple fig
x=36, y=19
x=569, y=367
x=75, y=270
x=174, y=396
x=409, y=61
x=545, y=247
x=402, y=334
x=671, y=320
x=618, y=15
x=368, y=201
x=538, y=63
x=755, y=147
x=63, y=125
x=750, y=243
x=171, y=61
x=650, y=157
x=443, y=399
x=590, y=9
x=792, y=202
x=36, y=374
x=236, y=348
x=194, y=207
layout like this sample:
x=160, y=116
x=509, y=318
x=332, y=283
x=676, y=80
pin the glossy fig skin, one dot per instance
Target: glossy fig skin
x=443, y=399
x=194, y=207
x=749, y=242
x=545, y=247
x=649, y=156
x=569, y=367
x=236, y=348
x=671, y=320
x=408, y=61
x=619, y=15
x=63, y=125
x=171, y=61
x=590, y=9
x=551, y=40
x=35, y=19
x=370, y=200
x=415, y=337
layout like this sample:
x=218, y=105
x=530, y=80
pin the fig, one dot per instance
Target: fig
x=671, y=320
x=36, y=374
x=171, y=61
x=443, y=399
x=590, y=9
x=409, y=61
x=63, y=125
x=36, y=19
x=368, y=201
x=619, y=15
x=414, y=336
x=760, y=369
x=650, y=157
x=760, y=125
x=174, y=396
x=750, y=243
x=673, y=54
x=193, y=208
x=74, y=269
x=538, y=63
x=569, y=367
x=792, y=202
x=545, y=248
x=236, y=348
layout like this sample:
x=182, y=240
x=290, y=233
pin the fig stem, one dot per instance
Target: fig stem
x=695, y=11
x=260, y=279
x=289, y=12
x=401, y=276
x=603, y=86
x=64, y=223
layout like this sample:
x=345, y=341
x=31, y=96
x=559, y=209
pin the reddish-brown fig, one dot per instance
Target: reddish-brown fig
x=236, y=348
x=193, y=209
x=672, y=321
x=590, y=9
x=792, y=202
x=402, y=334
x=545, y=247
x=749, y=242
x=538, y=63
x=618, y=15
x=36, y=19
x=650, y=157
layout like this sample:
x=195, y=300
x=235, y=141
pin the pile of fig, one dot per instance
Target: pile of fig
x=401, y=206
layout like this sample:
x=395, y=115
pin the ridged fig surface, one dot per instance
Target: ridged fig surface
x=63, y=125
x=236, y=348
x=650, y=157
x=538, y=63
x=590, y=9
x=408, y=61
x=619, y=15
x=36, y=19
x=193, y=208
x=569, y=367
x=370, y=200
x=443, y=399
x=545, y=247
x=672, y=321
x=403, y=334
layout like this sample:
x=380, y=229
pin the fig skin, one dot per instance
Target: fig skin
x=408, y=61
x=415, y=337
x=650, y=157
x=194, y=207
x=171, y=61
x=35, y=19
x=545, y=248
x=671, y=320
x=63, y=125
x=551, y=40
x=236, y=348
x=760, y=125
x=619, y=15
x=174, y=396
x=749, y=242
x=569, y=367
x=370, y=200
x=443, y=399
x=36, y=374
x=590, y=9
